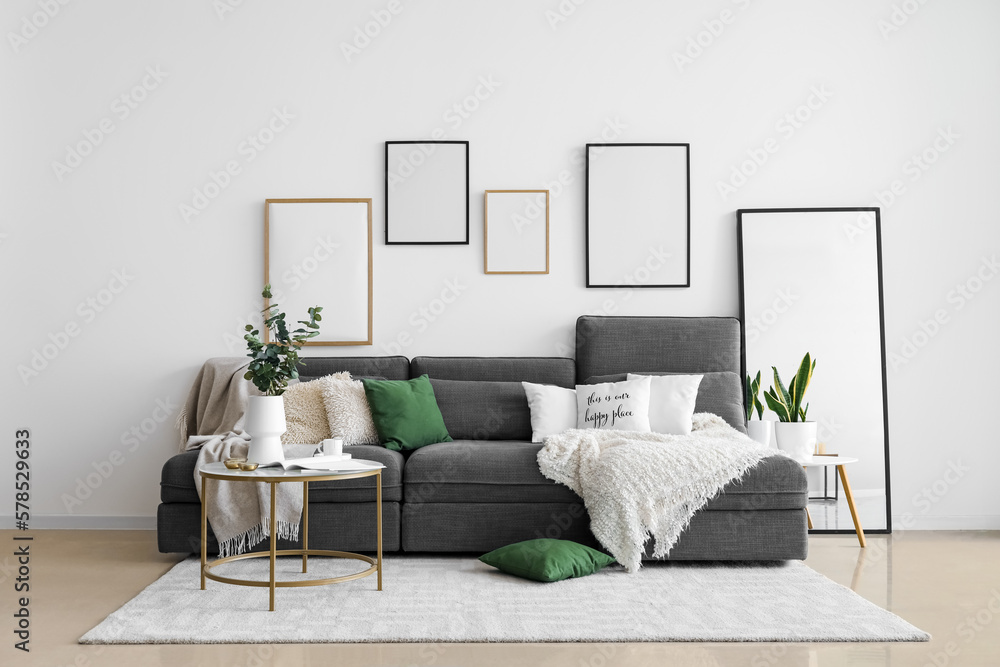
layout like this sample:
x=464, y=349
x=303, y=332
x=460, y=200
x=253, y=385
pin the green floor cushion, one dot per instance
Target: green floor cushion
x=547, y=560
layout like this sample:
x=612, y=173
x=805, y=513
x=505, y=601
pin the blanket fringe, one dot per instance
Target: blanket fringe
x=249, y=539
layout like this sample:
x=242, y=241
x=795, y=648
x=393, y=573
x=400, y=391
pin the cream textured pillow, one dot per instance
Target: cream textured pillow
x=347, y=411
x=305, y=415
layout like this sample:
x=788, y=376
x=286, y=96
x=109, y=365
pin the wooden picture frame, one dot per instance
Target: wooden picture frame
x=427, y=193
x=520, y=244
x=638, y=215
x=318, y=252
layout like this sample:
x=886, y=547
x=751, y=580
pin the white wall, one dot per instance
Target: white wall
x=558, y=85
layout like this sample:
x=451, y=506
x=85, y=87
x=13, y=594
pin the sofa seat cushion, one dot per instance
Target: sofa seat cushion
x=177, y=479
x=475, y=471
x=480, y=471
x=776, y=483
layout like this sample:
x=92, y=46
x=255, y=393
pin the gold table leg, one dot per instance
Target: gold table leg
x=378, y=520
x=305, y=525
x=274, y=537
x=850, y=503
x=809, y=518
x=204, y=529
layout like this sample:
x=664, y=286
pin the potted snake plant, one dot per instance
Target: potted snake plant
x=796, y=435
x=759, y=429
x=273, y=365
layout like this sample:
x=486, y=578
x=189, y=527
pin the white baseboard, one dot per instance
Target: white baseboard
x=961, y=522
x=84, y=522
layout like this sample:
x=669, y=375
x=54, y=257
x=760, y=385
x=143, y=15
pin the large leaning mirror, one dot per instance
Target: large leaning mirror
x=811, y=281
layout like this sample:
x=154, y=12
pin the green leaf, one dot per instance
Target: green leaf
x=785, y=398
x=748, y=399
x=801, y=382
x=777, y=405
x=275, y=363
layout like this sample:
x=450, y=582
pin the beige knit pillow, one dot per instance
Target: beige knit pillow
x=347, y=410
x=305, y=414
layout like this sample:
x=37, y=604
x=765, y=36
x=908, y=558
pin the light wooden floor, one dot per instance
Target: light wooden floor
x=947, y=583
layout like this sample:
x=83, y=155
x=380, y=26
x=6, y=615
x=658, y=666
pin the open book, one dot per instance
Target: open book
x=340, y=463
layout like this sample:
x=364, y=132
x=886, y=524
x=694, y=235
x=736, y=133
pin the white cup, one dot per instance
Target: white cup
x=333, y=446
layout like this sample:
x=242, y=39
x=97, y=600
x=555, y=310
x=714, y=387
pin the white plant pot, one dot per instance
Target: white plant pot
x=797, y=439
x=265, y=422
x=760, y=430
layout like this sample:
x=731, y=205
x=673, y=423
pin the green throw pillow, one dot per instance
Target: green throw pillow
x=405, y=413
x=547, y=560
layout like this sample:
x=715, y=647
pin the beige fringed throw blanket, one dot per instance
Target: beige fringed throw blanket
x=638, y=484
x=212, y=421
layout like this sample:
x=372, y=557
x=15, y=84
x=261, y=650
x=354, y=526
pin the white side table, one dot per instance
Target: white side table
x=839, y=462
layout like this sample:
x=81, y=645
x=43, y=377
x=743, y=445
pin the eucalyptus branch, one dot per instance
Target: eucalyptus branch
x=274, y=364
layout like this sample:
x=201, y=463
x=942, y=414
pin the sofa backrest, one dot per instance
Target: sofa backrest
x=540, y=370
x=390, y=368
x=608, y=345
x=481, y=398
x=480, y=410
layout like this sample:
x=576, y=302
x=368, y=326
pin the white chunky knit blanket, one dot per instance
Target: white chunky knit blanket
x=640, y=484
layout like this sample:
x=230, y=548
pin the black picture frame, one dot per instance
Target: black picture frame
x=594, y=215
x=459, y=239
x=881, y=319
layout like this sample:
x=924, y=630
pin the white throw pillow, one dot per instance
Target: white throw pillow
x=305, y=416
x=553, y=409
x=671, y=402
x=616, y=406
x=347, y=409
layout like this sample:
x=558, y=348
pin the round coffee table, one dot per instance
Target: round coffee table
x=275, y=476
x=839, y=462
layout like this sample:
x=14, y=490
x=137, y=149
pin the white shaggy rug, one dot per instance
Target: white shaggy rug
x=459, y=599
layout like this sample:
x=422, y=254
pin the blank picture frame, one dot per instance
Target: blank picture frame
x=638, y=215
x=427, y=193
x=516, y=232
x=318, y=252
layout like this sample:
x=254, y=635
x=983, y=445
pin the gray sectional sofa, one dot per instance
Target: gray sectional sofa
x=484, y=489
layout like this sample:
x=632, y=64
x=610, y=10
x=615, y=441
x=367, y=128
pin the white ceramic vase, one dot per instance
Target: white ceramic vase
x=760, y=430
x=265, y=422
x=797, y=439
